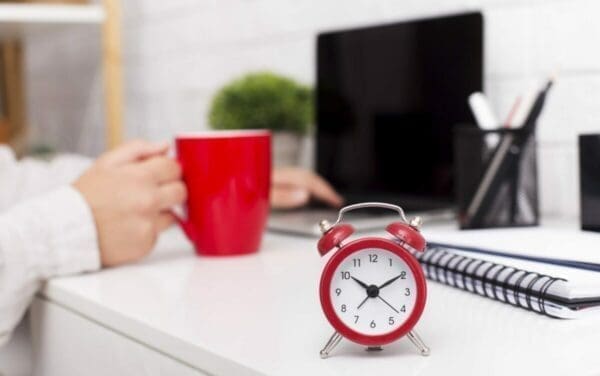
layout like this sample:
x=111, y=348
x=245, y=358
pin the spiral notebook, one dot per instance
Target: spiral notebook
x=566, y=284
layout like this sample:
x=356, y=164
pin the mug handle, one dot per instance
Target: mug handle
x=183, y=222
x=185, y=225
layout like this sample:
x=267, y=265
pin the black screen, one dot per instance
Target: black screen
x=388, y=98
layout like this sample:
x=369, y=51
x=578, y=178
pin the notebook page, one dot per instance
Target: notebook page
x=540, y=242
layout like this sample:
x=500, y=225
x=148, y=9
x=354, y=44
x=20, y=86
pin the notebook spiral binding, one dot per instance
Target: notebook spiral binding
x=518, y=287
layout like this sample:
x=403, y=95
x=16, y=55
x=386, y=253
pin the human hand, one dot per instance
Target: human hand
x=293, y=187
x=130, y=191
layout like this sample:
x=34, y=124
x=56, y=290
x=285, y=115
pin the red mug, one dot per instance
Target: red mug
x=228, y=178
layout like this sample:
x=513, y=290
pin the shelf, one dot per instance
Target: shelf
x=18, y=19
x=50, y=14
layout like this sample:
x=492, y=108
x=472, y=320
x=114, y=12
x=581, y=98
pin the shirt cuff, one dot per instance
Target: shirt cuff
x=63, y=234
x=73, y=234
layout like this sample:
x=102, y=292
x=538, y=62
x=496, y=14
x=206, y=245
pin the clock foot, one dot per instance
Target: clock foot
x=374, y=348
x=418, y=342
x=334, y=340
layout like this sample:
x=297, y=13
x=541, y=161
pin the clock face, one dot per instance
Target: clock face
x=373, y=291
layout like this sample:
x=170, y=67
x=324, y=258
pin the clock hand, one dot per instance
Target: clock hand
x=385, y=301
x=364, y=285
x=387, y=283
x=363, y=302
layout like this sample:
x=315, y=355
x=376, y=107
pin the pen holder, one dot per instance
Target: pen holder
x=496, y=177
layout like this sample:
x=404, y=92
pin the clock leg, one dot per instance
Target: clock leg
x=334, y=340
x=418, y=342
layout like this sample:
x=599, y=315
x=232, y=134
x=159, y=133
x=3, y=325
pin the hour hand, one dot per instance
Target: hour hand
x=364, y=285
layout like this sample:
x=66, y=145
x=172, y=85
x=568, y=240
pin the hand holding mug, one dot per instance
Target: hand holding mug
x=130, y=191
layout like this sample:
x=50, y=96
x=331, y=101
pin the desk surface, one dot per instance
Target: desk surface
x=260, y=314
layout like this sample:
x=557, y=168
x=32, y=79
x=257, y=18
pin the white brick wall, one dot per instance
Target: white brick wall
x=178, y=52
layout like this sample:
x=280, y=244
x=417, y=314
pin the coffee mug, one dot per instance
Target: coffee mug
x=228, y=176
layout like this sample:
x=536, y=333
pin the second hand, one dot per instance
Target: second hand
x=363, y=302
x=389, y=305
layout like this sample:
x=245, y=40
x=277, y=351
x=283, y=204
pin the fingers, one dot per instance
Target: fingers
x=171, y=194
x=314, y=185
x=161, y=169
x=323, y=191
x=134, y=151
x=290, y=176
x=165, y=220
x=283, y=197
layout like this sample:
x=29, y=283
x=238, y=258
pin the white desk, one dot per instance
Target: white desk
x=179, y=314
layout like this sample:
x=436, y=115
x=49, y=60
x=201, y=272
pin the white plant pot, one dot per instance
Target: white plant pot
x=287, y=147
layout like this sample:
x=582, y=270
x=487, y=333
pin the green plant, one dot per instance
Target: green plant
x=263, y=100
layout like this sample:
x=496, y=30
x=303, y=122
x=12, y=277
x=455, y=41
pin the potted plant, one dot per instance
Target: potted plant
x=264, y=100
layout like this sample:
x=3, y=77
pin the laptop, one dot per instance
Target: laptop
x=387, y=100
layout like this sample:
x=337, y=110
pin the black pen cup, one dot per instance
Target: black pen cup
x=495, y=177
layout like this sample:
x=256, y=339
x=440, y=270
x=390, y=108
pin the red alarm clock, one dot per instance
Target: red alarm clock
x=372, y=289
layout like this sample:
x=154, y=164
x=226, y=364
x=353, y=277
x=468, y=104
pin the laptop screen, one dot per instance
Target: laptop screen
x=388, y=98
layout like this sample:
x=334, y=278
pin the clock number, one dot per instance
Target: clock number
x=407, y=291
x=345, y=275
x=402, y=275
x=372, y=324
x=403, y=309
x=391, y=320
x=338, y=291
x=343, y=308
x=390, y=262
x=372, y=258
x=356, y=262
x=355, y=319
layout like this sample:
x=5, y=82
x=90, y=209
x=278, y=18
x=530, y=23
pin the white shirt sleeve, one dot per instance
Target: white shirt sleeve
x=41, y=234
x=29, y=177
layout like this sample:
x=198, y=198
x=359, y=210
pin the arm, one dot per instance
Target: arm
x=112, y=214
x=59, y=239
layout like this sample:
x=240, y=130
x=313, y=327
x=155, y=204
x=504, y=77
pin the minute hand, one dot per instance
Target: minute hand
x=387, y=283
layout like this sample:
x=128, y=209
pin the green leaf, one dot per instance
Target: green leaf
x=263, y=100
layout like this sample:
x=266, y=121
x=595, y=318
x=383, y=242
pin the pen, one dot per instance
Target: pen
x=538, y=105
x=513, y=111
x=525, y=107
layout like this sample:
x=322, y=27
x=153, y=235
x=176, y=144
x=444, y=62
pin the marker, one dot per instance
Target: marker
x=484, y=115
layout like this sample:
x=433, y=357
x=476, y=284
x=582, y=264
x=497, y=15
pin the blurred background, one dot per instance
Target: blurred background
x=176, y=54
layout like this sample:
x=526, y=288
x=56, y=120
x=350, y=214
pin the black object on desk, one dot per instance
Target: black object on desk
x=496, y=177
x=503, y=173
x=589, y=177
